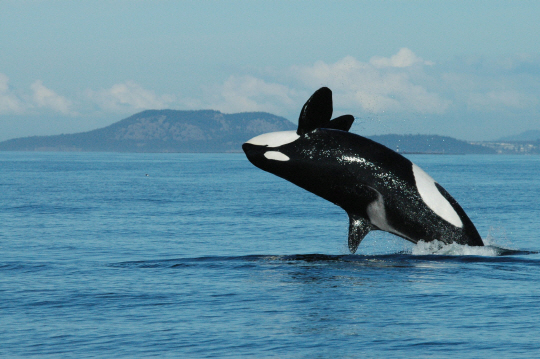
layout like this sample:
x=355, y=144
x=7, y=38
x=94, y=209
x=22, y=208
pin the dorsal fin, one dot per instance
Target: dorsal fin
x=317, y=111
x=342, y=123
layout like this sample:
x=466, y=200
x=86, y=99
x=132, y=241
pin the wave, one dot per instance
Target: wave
x=422, y=252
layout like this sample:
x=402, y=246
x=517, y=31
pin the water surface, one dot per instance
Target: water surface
x=190, y=255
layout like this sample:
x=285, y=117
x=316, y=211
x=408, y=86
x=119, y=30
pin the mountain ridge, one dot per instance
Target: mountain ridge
x=162, y=131
x=213, y=131
x=530, y=135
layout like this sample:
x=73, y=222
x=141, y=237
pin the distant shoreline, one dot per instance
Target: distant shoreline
x=209, y=131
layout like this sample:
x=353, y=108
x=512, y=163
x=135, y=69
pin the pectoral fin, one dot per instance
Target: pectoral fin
x=359, y=227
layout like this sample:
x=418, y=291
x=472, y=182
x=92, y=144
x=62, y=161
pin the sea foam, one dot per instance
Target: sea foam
x=454, y=249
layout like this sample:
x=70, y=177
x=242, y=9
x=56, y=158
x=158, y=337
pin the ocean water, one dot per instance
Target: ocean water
x=205, y=256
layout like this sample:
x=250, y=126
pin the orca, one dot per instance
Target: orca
x=377, y=187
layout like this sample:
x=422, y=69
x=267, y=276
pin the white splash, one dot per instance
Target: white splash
x=454, y=249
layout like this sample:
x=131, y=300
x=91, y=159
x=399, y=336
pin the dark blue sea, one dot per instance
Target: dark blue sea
x=205, y=256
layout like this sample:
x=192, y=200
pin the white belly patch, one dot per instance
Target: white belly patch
x=377, y=216
x=433, y=198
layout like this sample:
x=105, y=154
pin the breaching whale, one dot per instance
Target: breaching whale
x=377, y=187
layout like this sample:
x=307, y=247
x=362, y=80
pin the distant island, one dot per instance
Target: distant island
x=162, y=131
x=213, y=131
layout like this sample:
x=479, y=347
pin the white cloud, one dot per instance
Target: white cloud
x=404, y=58
x=128, y=96
x=387, y=86
x=487, y=88
x=495, y=100
x=46, y=98
x=246, y=94
x=401, y=87
x=381, y=85
x=9, y=103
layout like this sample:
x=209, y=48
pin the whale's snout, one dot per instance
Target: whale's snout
x=263, y=156
x=250, y=150
x=267, y=146
x=245, y=147
x=254, y=153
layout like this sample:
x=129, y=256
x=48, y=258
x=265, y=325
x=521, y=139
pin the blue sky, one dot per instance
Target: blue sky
x=467, y=69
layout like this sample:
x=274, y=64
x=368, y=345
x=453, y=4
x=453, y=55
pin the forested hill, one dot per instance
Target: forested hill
x=213, y=131
x=162, y=131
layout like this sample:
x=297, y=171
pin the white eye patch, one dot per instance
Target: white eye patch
x=433, y=197
x=274, y=139
x=275, y=155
